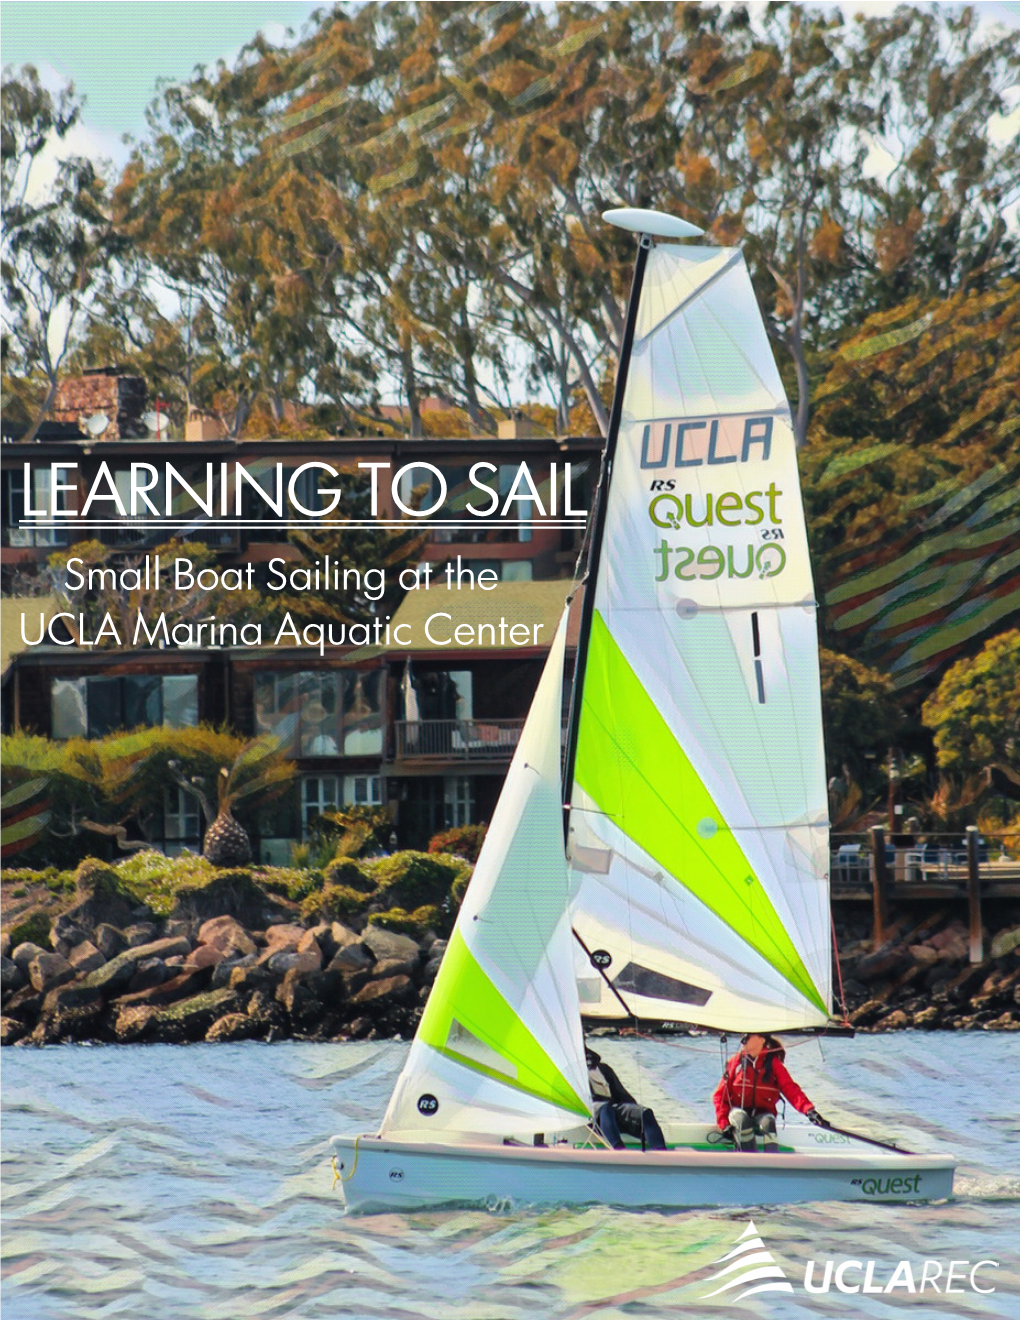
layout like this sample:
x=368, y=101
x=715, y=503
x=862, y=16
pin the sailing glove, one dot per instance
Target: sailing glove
x=813, y=1116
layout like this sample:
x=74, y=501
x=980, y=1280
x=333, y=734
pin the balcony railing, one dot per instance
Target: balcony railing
x=457, y=740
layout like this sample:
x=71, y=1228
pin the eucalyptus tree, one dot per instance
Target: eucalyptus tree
x=57, y=235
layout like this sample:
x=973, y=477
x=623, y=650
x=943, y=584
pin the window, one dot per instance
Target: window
x=20, y=530
x=318, y=794
x=458, y=800
x=517, y=570
x=182, y=822
x=322, y=712
x=362, y=790
x=93, y=707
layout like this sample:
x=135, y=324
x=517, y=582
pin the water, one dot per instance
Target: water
x=193, y=1182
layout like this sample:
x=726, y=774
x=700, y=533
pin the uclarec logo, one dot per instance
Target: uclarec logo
x=750, y=1262
x=752, y=1268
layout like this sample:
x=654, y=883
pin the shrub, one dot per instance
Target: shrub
x=355, y=831
x=410, y=879
x=34, y=929
x=462, y=841
x=334, y=903
x=342, y=871
x=416, y=923
x=293, y=883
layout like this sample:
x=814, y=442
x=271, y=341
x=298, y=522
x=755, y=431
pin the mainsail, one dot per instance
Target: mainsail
x=499, y=1050
x=698, y=827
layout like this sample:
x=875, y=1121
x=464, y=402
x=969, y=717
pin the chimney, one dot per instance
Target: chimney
x=102, y=393
x=517, y=426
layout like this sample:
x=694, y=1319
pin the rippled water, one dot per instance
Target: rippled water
x=162, y=1181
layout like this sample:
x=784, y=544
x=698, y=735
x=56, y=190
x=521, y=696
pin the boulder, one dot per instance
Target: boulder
x=101, y=899
x=189, y=1019
x=868, y=1013
x=230, y=893
x=149, y=973
x=133, y=1022
x=268, y=1016
x=85, y=958
x=11, y=976
x=354, y=957
x=206, y=955
x=11, y=1030
x=167, y=991
x=22, y=954
x=224, y=969
x=1005, y=942
x=924, y=954
x=284, y=936
x=317, y=939
x=174, y=926
x=108, y=940
x=47, y=970
x=1008, y=1021
x=882, y=965
x=232, y=1026
x=394, y=967
x=24, y=1004
x=66, y=935
x=74, y=995
x=342, y=935
x=893, y=1021
x=116, y=974
x=388, y=944
x=5, y=944
x=254, y=976
x=378, y=996
x=302, y=996
x=928, y=1017
x=288, y=959
x=228, y=935
x=142, y=932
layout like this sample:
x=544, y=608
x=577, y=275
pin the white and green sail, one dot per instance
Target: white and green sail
x=698, y=827
x=499, y=1052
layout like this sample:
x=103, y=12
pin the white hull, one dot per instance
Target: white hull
x=386, y=1174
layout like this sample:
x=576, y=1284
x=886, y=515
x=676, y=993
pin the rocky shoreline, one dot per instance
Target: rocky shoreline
x=256, y=970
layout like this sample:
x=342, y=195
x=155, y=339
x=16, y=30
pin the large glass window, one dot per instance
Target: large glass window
x=93, y=707
x=362, y=790
x=322, y=712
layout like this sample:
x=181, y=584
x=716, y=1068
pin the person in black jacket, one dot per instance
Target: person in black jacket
x=616, y=1111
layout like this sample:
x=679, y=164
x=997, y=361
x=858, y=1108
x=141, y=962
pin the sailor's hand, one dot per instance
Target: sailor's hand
x=728, y=1134
x=813, y=1116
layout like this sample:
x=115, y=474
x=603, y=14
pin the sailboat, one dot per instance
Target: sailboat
x=672, y=866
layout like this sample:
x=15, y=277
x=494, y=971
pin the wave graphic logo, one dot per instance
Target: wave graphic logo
x=750, y=1262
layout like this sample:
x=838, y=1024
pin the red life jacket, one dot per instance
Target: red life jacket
x=756, y=1084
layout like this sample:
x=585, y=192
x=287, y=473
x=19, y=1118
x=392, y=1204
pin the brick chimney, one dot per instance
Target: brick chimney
x=107, y=391
x=518, y=426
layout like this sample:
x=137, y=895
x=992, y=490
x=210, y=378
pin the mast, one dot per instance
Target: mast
x=646, y=223
x=599, y=521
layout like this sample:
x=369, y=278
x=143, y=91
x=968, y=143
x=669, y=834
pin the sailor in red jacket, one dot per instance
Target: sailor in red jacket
x=747, y=1097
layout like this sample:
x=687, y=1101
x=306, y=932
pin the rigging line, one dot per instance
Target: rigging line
x=601, y=971
x=839, y=970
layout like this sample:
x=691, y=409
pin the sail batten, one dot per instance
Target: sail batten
x=698, y=808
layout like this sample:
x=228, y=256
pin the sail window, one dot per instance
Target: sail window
x=640, y=980
x=758, y=672
x=466, y=1044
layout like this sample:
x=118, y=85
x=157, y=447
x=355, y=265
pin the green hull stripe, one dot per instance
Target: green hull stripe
x=631, y=765
x=463, y=992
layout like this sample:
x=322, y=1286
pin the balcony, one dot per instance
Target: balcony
x=457, y=740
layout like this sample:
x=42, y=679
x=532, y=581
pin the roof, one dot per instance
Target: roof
x=11, y=610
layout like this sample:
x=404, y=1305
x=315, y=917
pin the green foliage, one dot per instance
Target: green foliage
x=57, y=882
x=33, y=929
x=975, y=712
x=62, y=782
x=335, y=903
x=416, y=923
x=462, y=840
x=410, y=879
x=343, y=871
x=860, y=714
x=355, y=831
